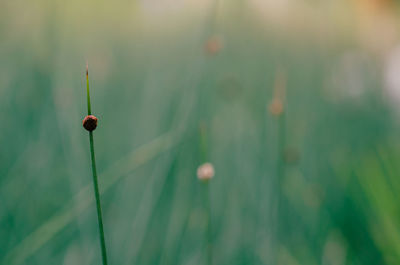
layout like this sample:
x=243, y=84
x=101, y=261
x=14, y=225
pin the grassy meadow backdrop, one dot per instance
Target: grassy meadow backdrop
x=295, y=103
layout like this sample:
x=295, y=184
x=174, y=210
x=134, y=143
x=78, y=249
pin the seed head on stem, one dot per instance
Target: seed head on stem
x=90, y=123
x=213, y=45
x=205, y=172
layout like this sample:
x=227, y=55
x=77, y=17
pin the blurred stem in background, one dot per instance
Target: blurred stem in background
x=280, y=174
x=207, y=203
x=205, y=172
x=95, y=179
x=277, y=109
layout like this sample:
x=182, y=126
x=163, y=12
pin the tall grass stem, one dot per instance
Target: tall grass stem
x=209, y=223
x=206, y=193
x=95, y=180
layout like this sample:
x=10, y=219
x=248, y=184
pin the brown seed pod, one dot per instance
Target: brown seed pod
x=89, y=123
x=276, y=107
x=213, y=45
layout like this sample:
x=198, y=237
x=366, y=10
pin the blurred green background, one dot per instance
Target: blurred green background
x=176, y=83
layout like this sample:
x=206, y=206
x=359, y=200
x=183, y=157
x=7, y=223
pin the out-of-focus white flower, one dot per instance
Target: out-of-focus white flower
x=205, y=171
x=392, y=75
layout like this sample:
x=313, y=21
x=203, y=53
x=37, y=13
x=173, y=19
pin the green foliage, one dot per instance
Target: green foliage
x=152, y=85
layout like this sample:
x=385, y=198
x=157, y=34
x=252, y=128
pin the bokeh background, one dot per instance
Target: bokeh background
x=294, y=102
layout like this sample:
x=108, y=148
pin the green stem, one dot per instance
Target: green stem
x=281, y=151
x=89, y=108
x=206, y=193
x=95, y=181
x=203, y=142
x=209, y=227
x=280, y=176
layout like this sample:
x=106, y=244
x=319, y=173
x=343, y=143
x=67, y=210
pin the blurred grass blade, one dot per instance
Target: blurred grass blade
x=83, y=199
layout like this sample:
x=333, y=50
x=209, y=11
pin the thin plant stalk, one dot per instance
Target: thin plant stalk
x=278, y=109
x=281, y=153
x=281, y=163
x=280, y=173
x=95, y=180
x=206, y=194
x=209, y=227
